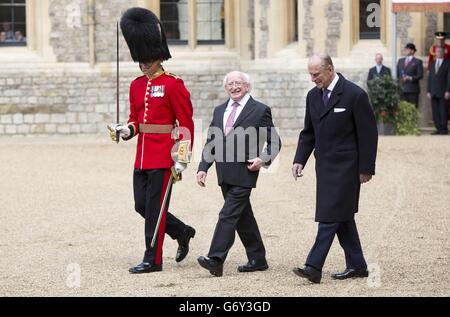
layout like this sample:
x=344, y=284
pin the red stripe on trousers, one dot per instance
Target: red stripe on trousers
x=162, y=227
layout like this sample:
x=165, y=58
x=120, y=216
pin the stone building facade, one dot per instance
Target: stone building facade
x=63, y=80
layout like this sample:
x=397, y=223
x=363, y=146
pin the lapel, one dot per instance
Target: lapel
x=248, y=109
x=335, y=95
x=220, y=113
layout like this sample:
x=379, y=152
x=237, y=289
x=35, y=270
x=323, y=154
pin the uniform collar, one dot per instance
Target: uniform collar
x=156, y=74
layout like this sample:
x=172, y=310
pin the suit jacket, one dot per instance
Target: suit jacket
x=439, y=83
x=413, y=69
x=344, y=138
x=385, y=71
x=231, y=162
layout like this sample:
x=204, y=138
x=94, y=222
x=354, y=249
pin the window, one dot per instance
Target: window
x=174, y=18
x=295, y=20
x=193, y=22
x=447, y=23
x=369, y=19
x=210, y=22
x=12, y=23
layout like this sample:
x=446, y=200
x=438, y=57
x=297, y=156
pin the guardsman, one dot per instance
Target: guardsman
x=161, y=119
x=439, y=40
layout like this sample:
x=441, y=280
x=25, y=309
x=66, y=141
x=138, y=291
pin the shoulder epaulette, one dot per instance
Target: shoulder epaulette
x=172, y=75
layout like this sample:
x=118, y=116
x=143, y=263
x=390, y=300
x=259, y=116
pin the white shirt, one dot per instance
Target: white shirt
x=239, y=109
x=378, y=68
x=333, y=84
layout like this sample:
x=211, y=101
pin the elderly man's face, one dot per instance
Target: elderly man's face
x=236, y=86
x=322, y=76
x=439, y=52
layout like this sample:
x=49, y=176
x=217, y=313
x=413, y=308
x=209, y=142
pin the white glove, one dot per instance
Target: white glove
x=179, y=167
x=123, y=129
x=118, y=127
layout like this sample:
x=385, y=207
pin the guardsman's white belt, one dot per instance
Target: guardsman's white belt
x=156, y=128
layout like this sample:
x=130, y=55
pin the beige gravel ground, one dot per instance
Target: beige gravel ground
x=67, y=207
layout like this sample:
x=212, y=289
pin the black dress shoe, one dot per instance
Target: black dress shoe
x=183, y=243
x=349, y=273
x=214, y=267
x=145, y=267
x=309, y=273
x=253, y=265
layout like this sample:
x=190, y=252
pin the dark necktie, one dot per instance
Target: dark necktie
x=325, y=97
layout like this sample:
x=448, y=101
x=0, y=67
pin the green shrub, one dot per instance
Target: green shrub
x=407, y=119
x=384, y=94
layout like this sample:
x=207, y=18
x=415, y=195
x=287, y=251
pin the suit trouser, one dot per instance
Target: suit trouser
x=237, y=215
x=149, y=188
x=412, y=97
x=348, y=239
x=440, y=113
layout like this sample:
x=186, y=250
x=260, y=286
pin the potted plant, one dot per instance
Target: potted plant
x=384, y=94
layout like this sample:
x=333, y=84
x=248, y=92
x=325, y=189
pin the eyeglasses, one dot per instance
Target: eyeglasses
x=235, y=83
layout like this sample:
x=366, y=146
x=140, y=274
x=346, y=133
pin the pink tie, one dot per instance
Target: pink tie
x=230, y=119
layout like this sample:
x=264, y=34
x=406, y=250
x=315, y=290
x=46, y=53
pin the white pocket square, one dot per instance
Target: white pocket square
x=339, y=109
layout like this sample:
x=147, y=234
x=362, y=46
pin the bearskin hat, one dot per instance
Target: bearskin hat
x=144, y=35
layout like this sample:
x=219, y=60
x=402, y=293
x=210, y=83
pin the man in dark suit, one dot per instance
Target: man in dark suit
x=410, y=72
x=238, y=132
x=439, y=90
x=379, y=69
x=340, y=127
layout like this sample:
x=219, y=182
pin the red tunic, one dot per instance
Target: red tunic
x=162, y=100
x=432, y=54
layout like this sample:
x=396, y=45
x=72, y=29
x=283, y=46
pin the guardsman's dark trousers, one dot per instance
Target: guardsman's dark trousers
x=149, y=188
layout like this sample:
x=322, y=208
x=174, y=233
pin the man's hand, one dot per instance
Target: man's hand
x=118, y=127
x=363, y=178
x=201, y=178
x=255, y=164
x=447, y=95
x=428, y=95
x=297, y=170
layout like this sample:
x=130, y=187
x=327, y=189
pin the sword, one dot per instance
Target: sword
x=163, y=206
x=117, y=84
